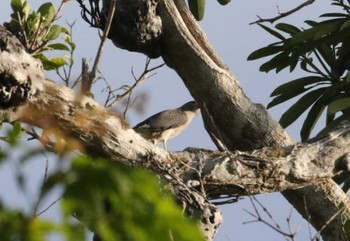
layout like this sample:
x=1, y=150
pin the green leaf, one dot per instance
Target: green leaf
x=15, y=133
x=101, y=194
x=328, y=55
x=41, y=57
x=329, y=127
x=287, y=28
x=345, y=25
x=58, y=46
x=313, y=33
x=13, y=224
x=69, y=59
x=312, y=117
x=74, y=231
x=297, y=109
x=223, y=2
x=297, y=84
x=13, y=26
x=311, y=23
x=335, y=15
x=69, y=41
x=278, y=62
x=51, y=64
x=47, y=11
x=40, y=228
x=33, y=23
x=17, y=5
x=329, y=118
x=263, y=52
x=326, y=29
x=54, y=32
x=339, y=105
x=272, y=32
x=286, y=96
x=26, y=10
x=197, y=8
x=58, y=61
x=294, y=60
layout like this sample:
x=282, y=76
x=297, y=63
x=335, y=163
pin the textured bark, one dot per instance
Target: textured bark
x=65, y=114
x=232, y=120
x=136, y=26
x=244, y=126
x=195, y=174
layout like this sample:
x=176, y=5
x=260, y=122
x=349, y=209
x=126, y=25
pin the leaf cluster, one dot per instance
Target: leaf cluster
x=36, y=31
x=322, y=50
x=121, y=203
x=116, y=202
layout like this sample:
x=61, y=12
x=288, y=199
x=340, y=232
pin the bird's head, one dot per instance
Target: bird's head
x=190, y=106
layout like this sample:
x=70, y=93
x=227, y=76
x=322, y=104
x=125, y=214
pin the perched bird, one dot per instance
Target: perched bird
x=167, y=124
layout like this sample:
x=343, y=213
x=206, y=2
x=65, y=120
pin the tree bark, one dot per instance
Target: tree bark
x=195, y=174
x=231, y=119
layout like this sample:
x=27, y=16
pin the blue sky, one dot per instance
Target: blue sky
x=234, y=39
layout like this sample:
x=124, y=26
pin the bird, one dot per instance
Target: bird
x=167, y=124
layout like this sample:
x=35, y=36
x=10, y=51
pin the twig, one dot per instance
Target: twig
x=67, y=73
x=282, y=15
x=94, y=13
x=48, y=207
x=289, y=218
x=145, y=75
x=86, y=83
x=42, y=185
x=276, y=227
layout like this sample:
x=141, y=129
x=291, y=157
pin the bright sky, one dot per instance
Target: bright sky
x=234, y=39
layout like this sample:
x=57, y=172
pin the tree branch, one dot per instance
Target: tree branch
x=231, y=117
x=195, y=174
x=283, y=14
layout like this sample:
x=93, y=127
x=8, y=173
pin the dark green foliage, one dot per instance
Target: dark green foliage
x=15, y=133
x=13, y=224
x=121, y=203
x=116, y=201
x=323, y=51
x=197, y=7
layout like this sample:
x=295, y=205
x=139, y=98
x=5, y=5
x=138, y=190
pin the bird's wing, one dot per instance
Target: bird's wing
x=163, y=120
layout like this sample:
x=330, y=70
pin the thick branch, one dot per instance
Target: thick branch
x=245, y=126
x=26, y=96
x=195, y=173
x=269, y=169
x=231, y=119
x=51, y=106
